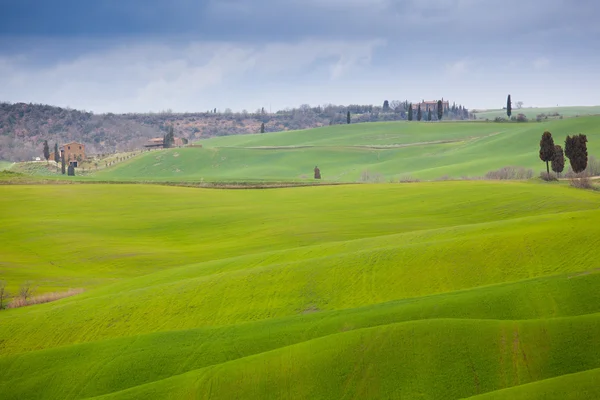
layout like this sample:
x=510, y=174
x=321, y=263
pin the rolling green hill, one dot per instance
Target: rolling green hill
x=5, y=165
x=428, y=290
x=351, y=153
x=532, y=112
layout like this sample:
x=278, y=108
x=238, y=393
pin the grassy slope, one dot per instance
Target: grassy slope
x=5, y=165
x=430, y=150
x=531, y=113
x=581, y=385
x=423, y=359
x=52, y=232
x=183, y=351
x=306, y=292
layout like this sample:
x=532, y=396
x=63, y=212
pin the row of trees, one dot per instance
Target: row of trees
x=58, y=157
x=440, y=112
x=575, y=150
x=47, y=152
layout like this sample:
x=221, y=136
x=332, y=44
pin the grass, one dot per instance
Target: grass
x=425, y=290
x=581, y=385
x=5, y=165
x=532, y=112
x=390, y=150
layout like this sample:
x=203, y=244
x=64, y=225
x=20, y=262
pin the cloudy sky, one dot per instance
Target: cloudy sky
x=185, y=55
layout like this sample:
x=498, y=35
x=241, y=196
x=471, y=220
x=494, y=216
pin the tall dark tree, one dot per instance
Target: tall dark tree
x=56, y=154
x=429, y=115
x=46, y=151
x=410, y=112
x=62, y=163
x=547, y=149
x=348, y=117
x=558, y=161
x=576, y=152
x=386, y=105
x=169, y=138
x=317, y=173
x=262, y=128
x=419, y=115
x=508, y=107
x=440, y=110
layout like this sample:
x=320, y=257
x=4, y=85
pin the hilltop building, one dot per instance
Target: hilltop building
x=73, y=152
x=431, y=105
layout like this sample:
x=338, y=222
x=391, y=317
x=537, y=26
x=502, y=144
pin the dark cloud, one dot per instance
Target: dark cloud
x=148, y=54
x=269, y=20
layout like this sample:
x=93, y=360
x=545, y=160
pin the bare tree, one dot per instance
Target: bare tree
x=519, y=104
x=26, y=291
x=4, y=295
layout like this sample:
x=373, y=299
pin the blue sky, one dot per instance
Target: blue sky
x=184, y=55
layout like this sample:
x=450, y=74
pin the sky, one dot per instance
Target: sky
x=192, y=56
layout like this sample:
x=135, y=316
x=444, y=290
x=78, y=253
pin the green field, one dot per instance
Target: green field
x=5, y=165
x=532, y=112
x=440, y=290
x=349, y=153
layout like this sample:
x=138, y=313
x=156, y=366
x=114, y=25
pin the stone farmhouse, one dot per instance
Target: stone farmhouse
x=73, y=152
x=431, y=105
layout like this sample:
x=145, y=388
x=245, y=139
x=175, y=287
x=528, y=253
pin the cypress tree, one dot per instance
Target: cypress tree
x=429, y=115
x=440, y=110
x=508, y=107
x=386, y=106
x=419, y=115
x=576, y=152
x=262, y=128
x=410, y=112
x=56, y=155
x=348, y=117
x=558, y=161
x=46, y=151
x=62, y=163
x=547, y=149
x=169, y=138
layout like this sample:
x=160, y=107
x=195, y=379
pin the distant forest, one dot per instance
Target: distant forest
x=24, y=127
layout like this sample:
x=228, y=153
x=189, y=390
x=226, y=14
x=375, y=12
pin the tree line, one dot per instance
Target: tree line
x=554, y=155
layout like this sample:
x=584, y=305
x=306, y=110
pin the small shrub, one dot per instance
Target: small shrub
x=510, y=173
x=43, y=298
x=373, y=177
x=444, y=178
x=548, y=177
x=521, y=118
x=583, y=182
x=408, y=179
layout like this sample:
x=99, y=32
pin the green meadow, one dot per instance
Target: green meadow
x=382, y=152
x=431, y=290
x=5, y=165
x=532, y=112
